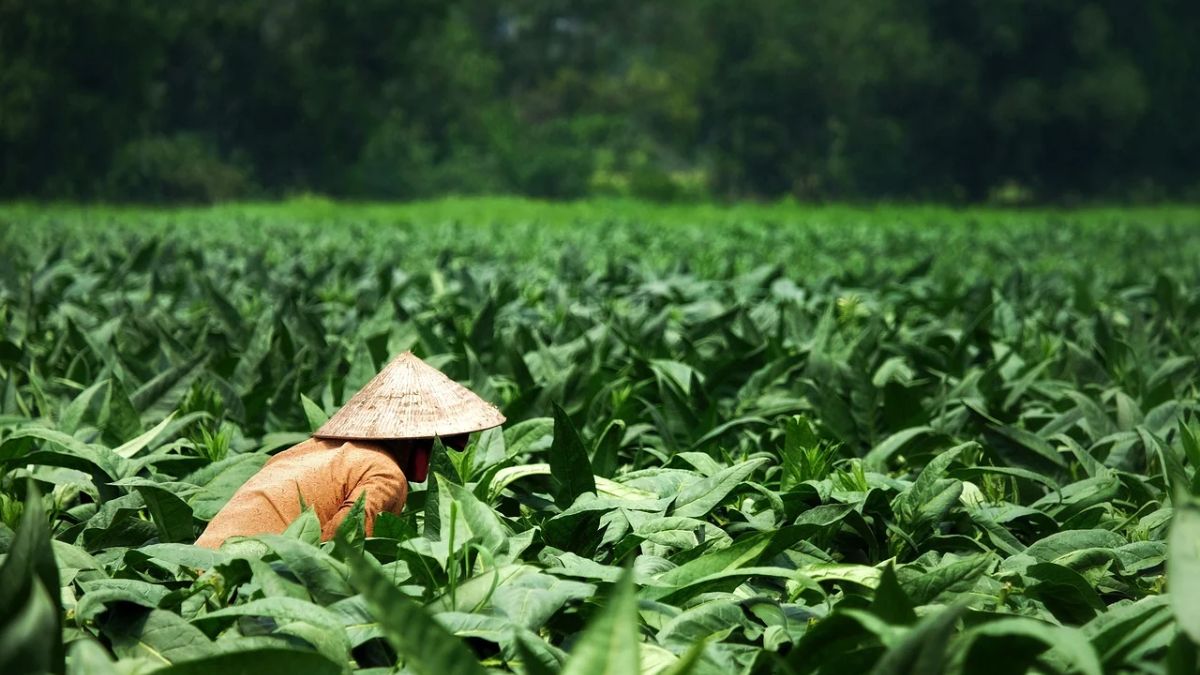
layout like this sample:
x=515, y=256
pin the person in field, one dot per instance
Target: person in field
x=378, y=442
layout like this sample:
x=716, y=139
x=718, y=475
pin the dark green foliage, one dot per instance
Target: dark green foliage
x=569, y=466
x=195, y=100
x=31, y=623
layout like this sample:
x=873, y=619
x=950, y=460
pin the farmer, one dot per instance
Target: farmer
x=374, y=445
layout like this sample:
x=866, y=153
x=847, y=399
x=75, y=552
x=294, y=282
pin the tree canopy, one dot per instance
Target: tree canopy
x=958, y=100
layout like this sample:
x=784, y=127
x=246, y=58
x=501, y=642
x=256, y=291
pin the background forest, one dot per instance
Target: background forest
x=950, y=100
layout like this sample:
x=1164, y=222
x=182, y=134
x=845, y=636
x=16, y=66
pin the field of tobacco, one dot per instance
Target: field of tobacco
x=756, y=440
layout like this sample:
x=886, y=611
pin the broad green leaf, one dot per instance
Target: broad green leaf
x=138, y=444
x=879, y=455
x=316, y=416
x=74, y=561
x=1183, y=656
x=219, y=481
x=1014, y=644
x=847, y=640
x=352, y=529
x=1183, y=568
x=441, y=469
x=306, y=527
x=73, y=415
x=605, y=487
x=470, y=594
x=1123, y=634
x=172, y=516
x=1064, y=591
x=160, y=395
x=88, y=657
x=862, y=575
x=605, y=452
x=676, y=532
x=528, y=436
x=323, y=576
x=799, y=436
x=928, y=498
x=702, y=496
x=727, y=580
x=688, y=662
x=262, y=661
x=420, y=641
x=531, y=599
x=947, y=580
x=714, y=620
x=485, y=526
x=158, y=636
x=744, y=552
x=316, y=625
x=1055, y=547
x=570, y=469
x=1190, y=443
x=255, y=350
x=1023, y=449
x=119, y=421
x=64, y=450
x=96, y=594
x=891, y=603
x=286, y=609
x=467, y=625
x=922, y=649
x=489, y=451
x=609, y=643
x=530, y=660
x=181, y=554
x=356, y=620
x=30, y=623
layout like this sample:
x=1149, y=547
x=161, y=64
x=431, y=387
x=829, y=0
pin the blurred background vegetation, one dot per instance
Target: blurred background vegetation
x=955, y=100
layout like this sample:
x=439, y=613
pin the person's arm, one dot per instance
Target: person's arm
x=386, y=489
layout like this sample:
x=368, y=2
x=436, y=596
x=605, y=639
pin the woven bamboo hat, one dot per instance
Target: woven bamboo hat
x=410, y=399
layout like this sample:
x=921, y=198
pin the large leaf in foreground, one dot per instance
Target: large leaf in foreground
x=266, y=661
x=1183, y=568
x=420, y=641
x=570, y=469
x=609, y=644
x=160, y=636
x=30, y=629
x=1013, y=645
x=922, y=650
x=87, y=657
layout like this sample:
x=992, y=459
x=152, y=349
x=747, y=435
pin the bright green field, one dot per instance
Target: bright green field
x=767, y=438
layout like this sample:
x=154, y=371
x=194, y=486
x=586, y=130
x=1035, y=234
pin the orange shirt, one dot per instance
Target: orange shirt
x=329, y=475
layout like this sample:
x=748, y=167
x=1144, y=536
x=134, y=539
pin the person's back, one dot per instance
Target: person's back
x=374, y=445
x=328, y=475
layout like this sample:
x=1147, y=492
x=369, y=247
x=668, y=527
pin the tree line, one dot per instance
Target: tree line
x=958, y=100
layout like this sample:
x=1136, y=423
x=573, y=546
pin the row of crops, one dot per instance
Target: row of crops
x=771, y=439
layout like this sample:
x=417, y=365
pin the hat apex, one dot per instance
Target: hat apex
x=410, y=399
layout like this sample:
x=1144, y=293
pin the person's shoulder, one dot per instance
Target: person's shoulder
x=304, y=447
x=372, y=453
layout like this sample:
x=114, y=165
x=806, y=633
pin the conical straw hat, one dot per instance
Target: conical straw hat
x=411, y=399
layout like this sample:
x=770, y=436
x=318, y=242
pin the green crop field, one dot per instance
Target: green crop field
x=755, y=439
